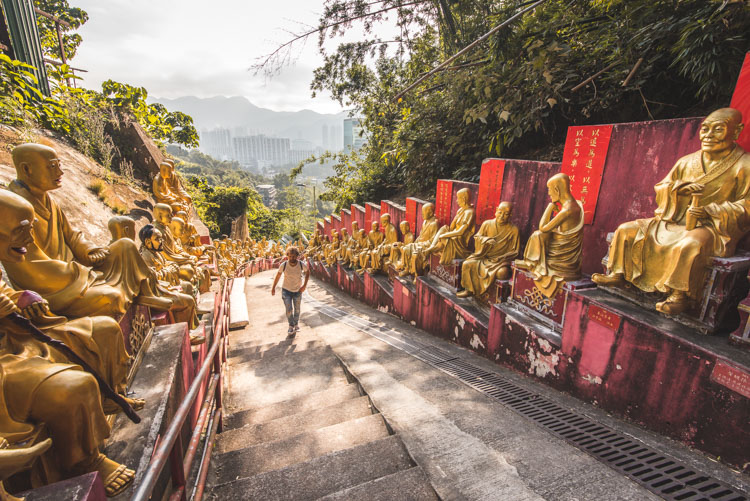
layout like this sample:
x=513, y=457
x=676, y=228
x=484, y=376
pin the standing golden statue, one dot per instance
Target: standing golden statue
x=496, y=246
x=703, y=206
x=412, y=260
x=453, y=241
x=76, y=277
x=553, y=252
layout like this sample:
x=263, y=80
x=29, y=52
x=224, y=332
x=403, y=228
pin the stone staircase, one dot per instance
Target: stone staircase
x=299, y=428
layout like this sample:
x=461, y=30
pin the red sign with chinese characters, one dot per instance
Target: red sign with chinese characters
x=583, y=160
x=443, y=201
x=604, y=317
x=741, y=101
x=490, y=188
x=732, y=377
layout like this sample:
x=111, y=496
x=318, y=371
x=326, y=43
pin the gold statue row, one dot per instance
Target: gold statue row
x=72, y=291
x=703, y=211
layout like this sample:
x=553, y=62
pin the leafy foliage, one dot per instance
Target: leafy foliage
x=74, y=16
x=515, y=94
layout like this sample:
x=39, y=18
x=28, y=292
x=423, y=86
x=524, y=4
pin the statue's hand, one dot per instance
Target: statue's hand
x=37, y=310
x=97, y=255
x=698, y=212
x=7, y=306
x=689, y=189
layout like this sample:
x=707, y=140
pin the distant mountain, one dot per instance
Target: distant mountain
x=239, y=113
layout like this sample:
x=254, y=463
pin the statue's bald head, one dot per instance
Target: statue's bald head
x=729, y=118
x=463, y=196
x=428, y=210
x=121, y=227
x=163, y=213
x=17, y=218
x=558, y=187
x=37, y=166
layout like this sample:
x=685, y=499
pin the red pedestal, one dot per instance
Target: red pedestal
x=88, y=487
x=378, y=292
x=449, y=274
x=405, y=301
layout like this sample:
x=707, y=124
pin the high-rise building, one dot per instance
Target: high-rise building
x=268, y=193
x=217, y=143
x=260, y=149
x=353, y=134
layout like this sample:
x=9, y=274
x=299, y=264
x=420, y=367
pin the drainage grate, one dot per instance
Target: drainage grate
x=659, y=473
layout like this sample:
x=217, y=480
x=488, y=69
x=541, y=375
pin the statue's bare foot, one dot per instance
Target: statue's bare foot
x=110, y=407
x=463, y=293
x=676, y=303
x=611, y=280
x=403, y=273
x=196, y=340
x=116, y=476
x=523, y=264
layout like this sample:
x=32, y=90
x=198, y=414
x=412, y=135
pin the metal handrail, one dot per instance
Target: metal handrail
x=165, y=447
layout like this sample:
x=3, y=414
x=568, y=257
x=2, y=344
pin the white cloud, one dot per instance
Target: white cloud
x=191, y=47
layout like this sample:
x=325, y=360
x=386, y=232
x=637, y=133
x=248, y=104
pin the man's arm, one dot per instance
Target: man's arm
x=275, y=281
x=307, y=277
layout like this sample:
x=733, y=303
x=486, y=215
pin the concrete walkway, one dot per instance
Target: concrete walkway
x=468, y=445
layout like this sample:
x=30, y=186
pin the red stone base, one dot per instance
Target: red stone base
x=87, y=487
x=637, y=364
x=378, y=292
x=405, y=304
x=450, y=274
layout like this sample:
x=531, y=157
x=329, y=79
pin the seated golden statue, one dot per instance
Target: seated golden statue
x=374, y=239
x=453, y=241
x=184, y=308
x=77, y=277
x=175, y=184
x=38, y=386
x=163, y=188
x=357, y=244
x=553, y=252
x=377, y=263
x=344, y=242
x=412, y=261
x=703, y=206
x=496, y=245
x=408, y=238
x=121, y=227
x=332, y=249
x=179, y=230
x=172, y=250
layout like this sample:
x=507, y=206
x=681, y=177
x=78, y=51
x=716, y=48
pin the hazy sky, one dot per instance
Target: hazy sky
x=192, y=47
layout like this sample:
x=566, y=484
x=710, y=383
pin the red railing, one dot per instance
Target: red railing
x=169, y=448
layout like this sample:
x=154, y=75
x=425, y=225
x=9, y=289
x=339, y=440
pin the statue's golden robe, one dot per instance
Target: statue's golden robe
x=57, y=269
x=458, y=247
x=659, y=254
x=164, y=194
x=411, y=259
x=395, y=253
x=555, y=256
x=390, y=237
x=496, y=245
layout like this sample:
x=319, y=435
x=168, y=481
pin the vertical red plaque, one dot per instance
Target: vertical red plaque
x=411, y=214
x=583, y=160
x=741, y=101
x=443, y=201
x=490, y=188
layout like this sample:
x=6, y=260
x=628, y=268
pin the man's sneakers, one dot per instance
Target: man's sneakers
x=292, y=331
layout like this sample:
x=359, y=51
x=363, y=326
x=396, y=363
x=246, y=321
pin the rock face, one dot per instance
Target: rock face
x=84, y=208
x=138, y=148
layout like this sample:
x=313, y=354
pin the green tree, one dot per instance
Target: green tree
x=74, y=16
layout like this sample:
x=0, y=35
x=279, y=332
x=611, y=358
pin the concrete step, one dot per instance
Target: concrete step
x=307, y=403
x=404, y=485
x=280, y=428
x=260, y=458
x=243, y=354
x=320, y=476
x=274, y=379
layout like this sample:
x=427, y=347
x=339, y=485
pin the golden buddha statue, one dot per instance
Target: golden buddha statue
x=408, y=238
x=76, y=277
x=496, y=245
x=98, y=340
x=176, y=185
x=374, y=239
x=553, y=252
x=344, y=242
x=332, y=249
x=390, y=237
x=121, y=227
x=357, y=243
x=412, y=260
x=172, y=250
x=184, y=308
x=163, y=188
x=38, y=386
x=703, y=206
x=453, y=241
